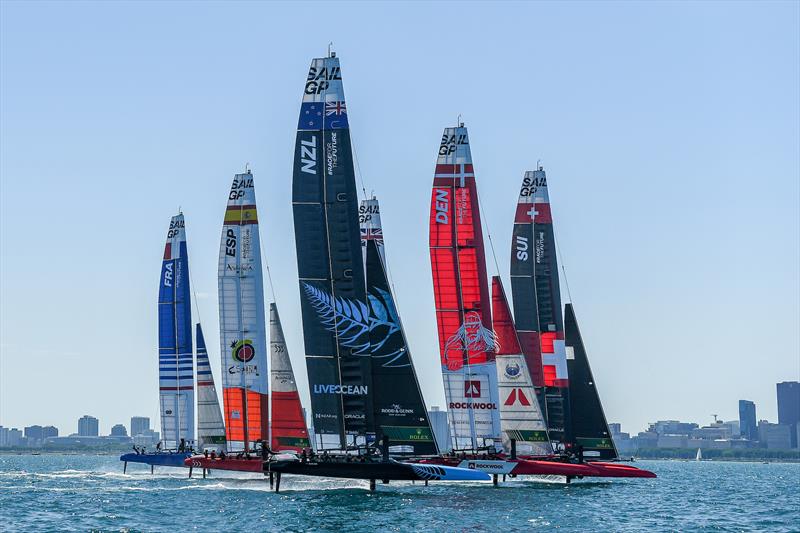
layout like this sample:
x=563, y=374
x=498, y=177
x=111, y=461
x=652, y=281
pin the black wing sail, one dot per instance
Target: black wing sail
x=589, y=427
x=329, y=263
x=400, y=412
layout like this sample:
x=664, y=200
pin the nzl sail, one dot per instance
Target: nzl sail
x=243, y=344
x=537, y=300
x=289, y=430
x=590, y=431
x=400, y=412
x=175, y=358
x=520, y=415
x=467, y=344
x=332, y=284
x=210, y=427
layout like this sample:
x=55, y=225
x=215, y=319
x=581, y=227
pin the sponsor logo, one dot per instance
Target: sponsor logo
x=246, y=369
x=175, y=227
x=472, y=405
x=239, y=184
x=472, y=389
x=243, y=351
x=449, y=143
x=308, y=155
x=319, y=79
x=517, y=395
x=540, y=248
x=513, y=370
x=230, y=243
x=442, y=205
x=235, y=414
x=347, y=390
x=397, y=410
x=321, y=416
x=501, y=467
x=522, y=248
x=530, y=185
x=168, y=412
x=168, y=274
x=333, y=154
x=366, y=212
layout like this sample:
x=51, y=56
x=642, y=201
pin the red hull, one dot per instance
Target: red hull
x=229, y=463
x=542, y=467
x=621, y=470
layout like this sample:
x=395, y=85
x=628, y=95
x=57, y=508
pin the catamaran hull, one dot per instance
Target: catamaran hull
x=533, y=467
x=383, y=470
x=156, y=459
x=233, y=464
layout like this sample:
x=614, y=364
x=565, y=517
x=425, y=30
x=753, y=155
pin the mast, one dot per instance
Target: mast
x=289, y=430
x=463, y=314
x=329, y=263
x=243, y=343
x=400, y=412
x=175, y=358
x=210, y=427
x=520, y=415
x=537, y=301
x=590, y=432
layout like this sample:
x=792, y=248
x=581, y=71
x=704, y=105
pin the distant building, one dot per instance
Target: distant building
x=672, y=441
x=775, y=436
x=36, y=434
x=647, y=439
x=139, y=424
x=147, y=437
x=672, y=427
x=615, y=428
x=441, y=429
x=10, y=437
x=119, y=431
x=88, y=426
x=625, y=445
x=748, y=426
x=789, y=407
x=717, y=430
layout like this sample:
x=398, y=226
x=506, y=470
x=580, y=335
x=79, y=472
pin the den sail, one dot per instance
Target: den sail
x=243, y=343
x=467, y=343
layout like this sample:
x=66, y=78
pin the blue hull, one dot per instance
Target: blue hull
x=156, y=459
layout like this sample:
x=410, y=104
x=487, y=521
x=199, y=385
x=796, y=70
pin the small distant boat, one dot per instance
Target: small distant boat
x=699, y=456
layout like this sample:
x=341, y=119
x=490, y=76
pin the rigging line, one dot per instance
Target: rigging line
x=358, y=167
x=563, y=266
x=485, y=222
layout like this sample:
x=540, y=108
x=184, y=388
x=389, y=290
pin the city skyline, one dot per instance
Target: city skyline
x=666, y=162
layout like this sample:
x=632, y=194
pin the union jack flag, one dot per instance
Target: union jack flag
x=335, y=108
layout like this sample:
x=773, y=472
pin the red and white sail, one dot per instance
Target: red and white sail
x=520, y=415
x=467, y=344
x=289, y=431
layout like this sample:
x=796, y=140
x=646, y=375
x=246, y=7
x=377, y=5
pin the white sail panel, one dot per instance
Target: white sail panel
x=210, y=426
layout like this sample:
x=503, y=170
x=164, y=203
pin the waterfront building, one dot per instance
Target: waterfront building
x=441, y=429
x=147, y=437
x=88, y=426
x=748, y=426
x=139, y=424
x=717, y=430
x=672, y=427
x=36, y=434
x=672, y=441
x=775, y=436
x=119, y=431
x=789, y=407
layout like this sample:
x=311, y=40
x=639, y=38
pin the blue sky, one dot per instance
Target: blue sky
x=669, y=132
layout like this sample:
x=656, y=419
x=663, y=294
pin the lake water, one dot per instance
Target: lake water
x=81, y=493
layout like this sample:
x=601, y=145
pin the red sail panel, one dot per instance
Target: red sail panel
x=503, y=321
x=237, y=410
x=288, y=426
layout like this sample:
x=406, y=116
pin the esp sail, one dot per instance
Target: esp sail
x=590, y=432
x=289, y=431
x=329, y=263
x=400, y=412
x=537, y=300
x=520, y=415
x=467, y=343
x=175, y=358
x=243, y=344
x=210, y=426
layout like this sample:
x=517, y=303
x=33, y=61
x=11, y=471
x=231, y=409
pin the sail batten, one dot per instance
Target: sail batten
x=243, y=345
x=463, y=313
x=175, y=357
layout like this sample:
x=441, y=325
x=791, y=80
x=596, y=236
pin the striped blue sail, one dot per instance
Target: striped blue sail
x=210, y=427
x=175, y=358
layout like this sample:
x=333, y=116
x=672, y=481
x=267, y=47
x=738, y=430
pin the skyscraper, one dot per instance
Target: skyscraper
x=119, y=431
x=88, y=426
x=139, y=425
x=748, y=424
x=789, y=407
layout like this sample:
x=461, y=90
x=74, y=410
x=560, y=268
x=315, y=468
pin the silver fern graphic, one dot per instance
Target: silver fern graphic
x=353, y=321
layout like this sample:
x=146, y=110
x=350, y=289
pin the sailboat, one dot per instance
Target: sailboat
x=555, y=350
x=352, y=335
x=699, y=456
x=210, y=426
x=175, y=358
